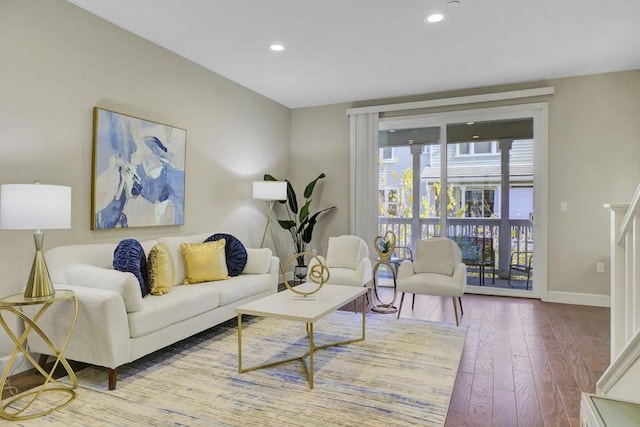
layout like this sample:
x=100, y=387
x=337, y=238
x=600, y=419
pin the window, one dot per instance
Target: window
x=386, y=154
x=390, y=200
x=476, y=148
x=479, y=202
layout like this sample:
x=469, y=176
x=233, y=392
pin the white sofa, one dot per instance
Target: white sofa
x=116, y=325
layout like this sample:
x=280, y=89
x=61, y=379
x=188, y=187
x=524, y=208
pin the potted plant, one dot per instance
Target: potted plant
x=300, y=222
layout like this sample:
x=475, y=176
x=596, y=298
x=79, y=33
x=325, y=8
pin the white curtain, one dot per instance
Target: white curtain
x=363, y=179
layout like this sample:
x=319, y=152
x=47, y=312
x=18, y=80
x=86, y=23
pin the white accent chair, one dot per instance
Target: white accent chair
x=347, y=260
x=437, y=269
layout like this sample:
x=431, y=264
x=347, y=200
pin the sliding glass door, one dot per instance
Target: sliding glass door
x=470, y=176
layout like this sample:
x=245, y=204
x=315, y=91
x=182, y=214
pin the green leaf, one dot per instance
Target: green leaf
x=286, y=224
x=268, y=177
x=309, y=188
x=307, y=233
x=291, y=198
x=304, y=212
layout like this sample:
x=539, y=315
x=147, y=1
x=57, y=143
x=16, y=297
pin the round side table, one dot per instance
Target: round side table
x=383, y=307
x=15, y=408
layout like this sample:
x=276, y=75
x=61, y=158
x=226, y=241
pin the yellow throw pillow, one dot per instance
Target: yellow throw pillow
x=160, y=270
x=204, y=262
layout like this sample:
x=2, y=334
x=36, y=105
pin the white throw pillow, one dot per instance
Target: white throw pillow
x=343, y=252
x=258, y=261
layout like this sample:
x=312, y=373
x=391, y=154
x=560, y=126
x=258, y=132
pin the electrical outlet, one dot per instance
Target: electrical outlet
x=600, y=267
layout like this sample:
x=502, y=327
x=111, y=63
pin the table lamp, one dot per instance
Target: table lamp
x=36, y=207
x=269, y=191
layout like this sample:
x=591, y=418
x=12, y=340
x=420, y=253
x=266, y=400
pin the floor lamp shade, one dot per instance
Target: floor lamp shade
x=270, y=190
x=36, y=207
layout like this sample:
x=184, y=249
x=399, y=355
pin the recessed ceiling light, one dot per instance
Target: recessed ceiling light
x=434, y=17
x=453, y=3
x=476, y=136
x=470, y=123
x=277, y=47
x=392, y=130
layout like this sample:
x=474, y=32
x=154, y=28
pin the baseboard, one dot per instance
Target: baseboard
x=21, y=364
x=595, y=300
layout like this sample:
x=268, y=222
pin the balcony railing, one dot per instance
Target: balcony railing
x=520, y=237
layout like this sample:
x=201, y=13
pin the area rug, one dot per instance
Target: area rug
x=401, y=375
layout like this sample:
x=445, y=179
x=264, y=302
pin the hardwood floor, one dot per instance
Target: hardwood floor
x=524, y=362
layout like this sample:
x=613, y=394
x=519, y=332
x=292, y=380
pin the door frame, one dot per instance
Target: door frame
x=539, y=111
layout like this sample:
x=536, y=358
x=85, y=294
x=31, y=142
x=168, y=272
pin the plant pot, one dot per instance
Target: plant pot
x=300, y=271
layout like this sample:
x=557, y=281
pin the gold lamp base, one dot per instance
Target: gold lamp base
x=39, y=284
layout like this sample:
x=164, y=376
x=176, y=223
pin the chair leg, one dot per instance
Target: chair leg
x=400, y=307
x=413, y=302
x=455, y=311
x=461, y=310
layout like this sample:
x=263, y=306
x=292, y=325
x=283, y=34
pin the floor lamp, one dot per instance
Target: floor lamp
x=269, y=192
x=36, y=207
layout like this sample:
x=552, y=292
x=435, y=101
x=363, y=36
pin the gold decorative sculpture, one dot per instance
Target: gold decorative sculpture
x=319, y=273
x=385, y=245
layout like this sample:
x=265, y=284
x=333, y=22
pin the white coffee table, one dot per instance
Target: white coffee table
x=290, y=306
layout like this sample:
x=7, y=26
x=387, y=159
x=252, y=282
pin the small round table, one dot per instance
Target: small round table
x=19, y=404
x=383, y=307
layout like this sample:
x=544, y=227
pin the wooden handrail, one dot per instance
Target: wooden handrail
x=632, y=212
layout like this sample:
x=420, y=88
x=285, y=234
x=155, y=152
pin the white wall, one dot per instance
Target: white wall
x=594, y=158
x=59, y=61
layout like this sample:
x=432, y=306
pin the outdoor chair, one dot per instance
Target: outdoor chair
x=520, y=262
x=478, y=252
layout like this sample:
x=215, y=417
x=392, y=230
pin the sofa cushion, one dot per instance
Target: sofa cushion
x=129, y=256
x=258, y=261
x=173, y=245
x=181, y=303
x=123, y=283
x=239, y=287
x=234, y=250
x=204, y=262
x=160, y=270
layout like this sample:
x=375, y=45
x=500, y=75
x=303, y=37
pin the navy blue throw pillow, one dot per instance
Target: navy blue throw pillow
x=234, y=250
x=129, y=257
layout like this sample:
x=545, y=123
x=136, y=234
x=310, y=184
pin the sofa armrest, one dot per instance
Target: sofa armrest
x=274, y=271
x=460, y=276
x=101, y=334
x=124, y=283
x=365, y=271
x=405, y=270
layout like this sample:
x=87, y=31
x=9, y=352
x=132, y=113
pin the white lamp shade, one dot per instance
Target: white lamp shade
x=270, y=190
x=34, y=206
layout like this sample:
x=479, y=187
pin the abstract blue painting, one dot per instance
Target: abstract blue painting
x=138, y=172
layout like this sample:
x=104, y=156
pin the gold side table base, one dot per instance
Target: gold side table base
x=385, y=308
x=16, y=408
x=382, y=307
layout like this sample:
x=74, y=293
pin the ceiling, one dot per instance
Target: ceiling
x=349, y=50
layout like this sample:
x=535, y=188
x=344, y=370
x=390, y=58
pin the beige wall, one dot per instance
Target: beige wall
x=58, y=62
x=320, y=143
x=594, y=158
